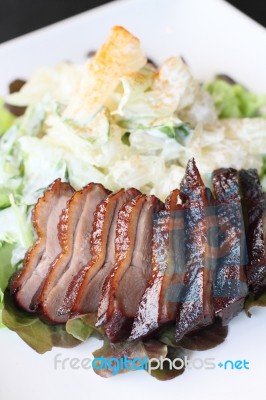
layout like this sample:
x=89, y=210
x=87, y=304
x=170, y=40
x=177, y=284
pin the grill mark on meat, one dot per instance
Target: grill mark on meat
x=84, y=292
x=195, y=307
x=230, y=287
x=152, y=308
x=37, y=262
x=254, y=206
x=74, y=231
x=174, y=274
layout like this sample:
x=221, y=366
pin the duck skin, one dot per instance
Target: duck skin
x=155, y=308
x=126, y=283
x=45, y=218
x=230, y=284
x=74, y=231
x=85, y=290
x=195, y=308
x=254, y=208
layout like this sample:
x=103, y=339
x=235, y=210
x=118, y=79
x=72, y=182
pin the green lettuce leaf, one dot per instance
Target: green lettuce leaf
x=4, y=198
x=166, y=373
x=16, y=230
x=263, y=175
x=38, y=335
x=83, y=327
x=131, y=350
x=235, y=101
x=16, y=237
x=144, y=351
x=6, y=270
x=204, y=339
x=6, y=118
x=251, y=302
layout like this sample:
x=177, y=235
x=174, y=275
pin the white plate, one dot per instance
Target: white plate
x=213, y=37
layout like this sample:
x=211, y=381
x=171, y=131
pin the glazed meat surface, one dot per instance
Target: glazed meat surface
x=254, y=209
x=85, y=290
x=139, y=265
x=157, y=305
x=127, y=281
x=45, y=218
x=195, y=307
x=230, y=287
x=75, y=229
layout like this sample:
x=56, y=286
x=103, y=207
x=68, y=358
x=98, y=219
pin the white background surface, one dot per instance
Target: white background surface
x=212, y=37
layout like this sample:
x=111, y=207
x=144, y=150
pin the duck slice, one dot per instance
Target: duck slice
x=74, y=231
x=195, y=308
x=174, y=274
x=84, y=291
x=230, y=286
x=154, y=307
x=126, y=283
x=45, y=218
x=254, y=207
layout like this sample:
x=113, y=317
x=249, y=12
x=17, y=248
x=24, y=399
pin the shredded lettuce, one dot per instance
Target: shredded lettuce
x=38, y=157
x=16, y=237
x=59, y=82
x=22, y=230
x=145, y=98
x=4, y=198
x=6, y=118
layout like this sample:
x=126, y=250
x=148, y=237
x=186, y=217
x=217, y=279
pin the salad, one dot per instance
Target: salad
x=122, y=122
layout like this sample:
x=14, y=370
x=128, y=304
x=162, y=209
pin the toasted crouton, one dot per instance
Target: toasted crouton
x=119, y=56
